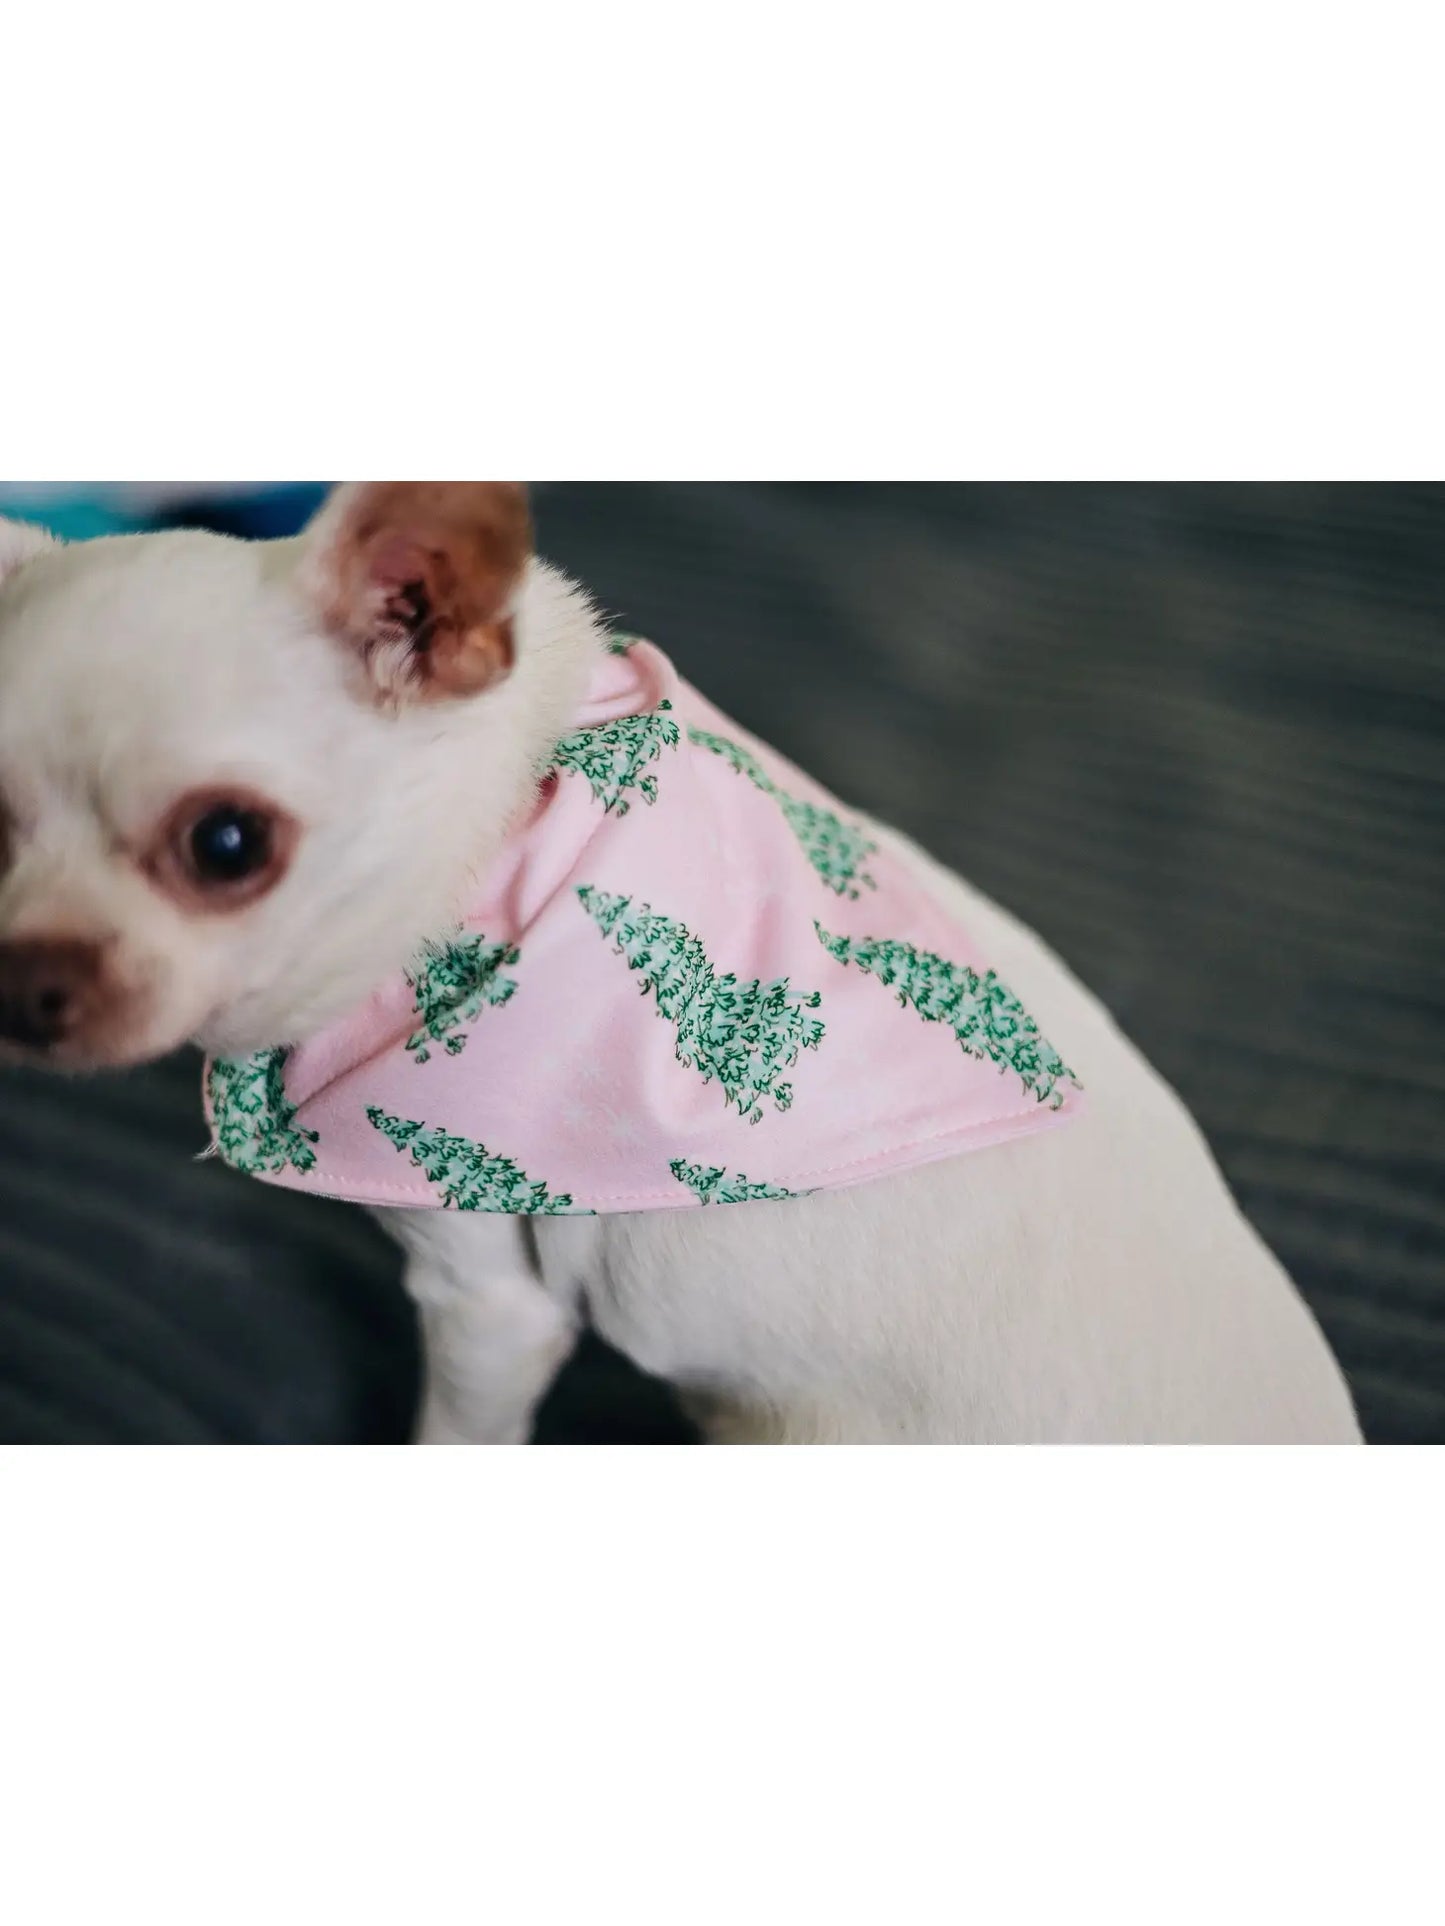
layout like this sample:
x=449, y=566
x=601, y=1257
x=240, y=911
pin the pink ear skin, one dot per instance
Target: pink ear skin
x=420, y=579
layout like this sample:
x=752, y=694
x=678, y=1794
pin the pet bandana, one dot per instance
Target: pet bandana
x=689, y=979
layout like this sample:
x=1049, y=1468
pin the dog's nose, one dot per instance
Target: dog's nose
x=42, y=985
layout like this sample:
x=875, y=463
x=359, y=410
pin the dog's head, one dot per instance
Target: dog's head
x=239, y=782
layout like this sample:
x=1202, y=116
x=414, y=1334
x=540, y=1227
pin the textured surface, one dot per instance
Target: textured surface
x=1194, y=735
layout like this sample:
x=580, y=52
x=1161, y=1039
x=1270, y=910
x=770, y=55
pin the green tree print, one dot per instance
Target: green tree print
x=717, y=1187
x=455, y=984
x=740, y=1034
x=466, y=1173
x=837, y=850
x=614, y=755
x=256, y=1128
x=983, y=1013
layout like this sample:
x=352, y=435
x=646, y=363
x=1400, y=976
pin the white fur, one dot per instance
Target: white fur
x=135, y=667
x=19, y=542
x=1094, y=1283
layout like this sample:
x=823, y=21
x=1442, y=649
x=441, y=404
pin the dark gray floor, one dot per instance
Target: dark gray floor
x=1194, y=735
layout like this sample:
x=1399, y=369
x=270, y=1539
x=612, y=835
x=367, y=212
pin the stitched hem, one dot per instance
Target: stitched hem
x=914, y=1151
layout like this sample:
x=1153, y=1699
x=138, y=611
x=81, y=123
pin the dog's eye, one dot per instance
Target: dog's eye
x=229, y=844
x=217, y=850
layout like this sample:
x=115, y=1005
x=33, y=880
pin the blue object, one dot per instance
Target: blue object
x=77, y=516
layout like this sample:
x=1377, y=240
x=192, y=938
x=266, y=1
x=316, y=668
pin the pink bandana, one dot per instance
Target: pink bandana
x=690, y=978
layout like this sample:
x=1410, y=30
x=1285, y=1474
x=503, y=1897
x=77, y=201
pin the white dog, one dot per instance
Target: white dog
x=247, y=790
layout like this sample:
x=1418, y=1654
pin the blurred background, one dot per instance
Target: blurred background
x=1195, y=735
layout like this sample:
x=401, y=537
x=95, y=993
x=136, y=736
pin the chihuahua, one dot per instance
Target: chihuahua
x=491, y=923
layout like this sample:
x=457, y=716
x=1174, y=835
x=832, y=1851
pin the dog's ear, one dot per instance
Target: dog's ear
x=19, y=541
x=420, y=580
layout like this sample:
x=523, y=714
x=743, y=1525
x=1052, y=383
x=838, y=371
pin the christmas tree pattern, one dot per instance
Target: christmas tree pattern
x=256, y=1128
x=837, y=850
x=466, y=1173
x=456, y=982
x=983, y=1013
x=740, y=1034
x=717, y=1187
x=613, y=756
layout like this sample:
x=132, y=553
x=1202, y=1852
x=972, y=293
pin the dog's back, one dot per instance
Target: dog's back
x=1094, y=1284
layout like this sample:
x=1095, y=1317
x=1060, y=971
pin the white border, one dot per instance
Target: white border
x=650, y=1685
x=1104, y=242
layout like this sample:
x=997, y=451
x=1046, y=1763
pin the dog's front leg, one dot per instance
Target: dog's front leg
x=493, y=1337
